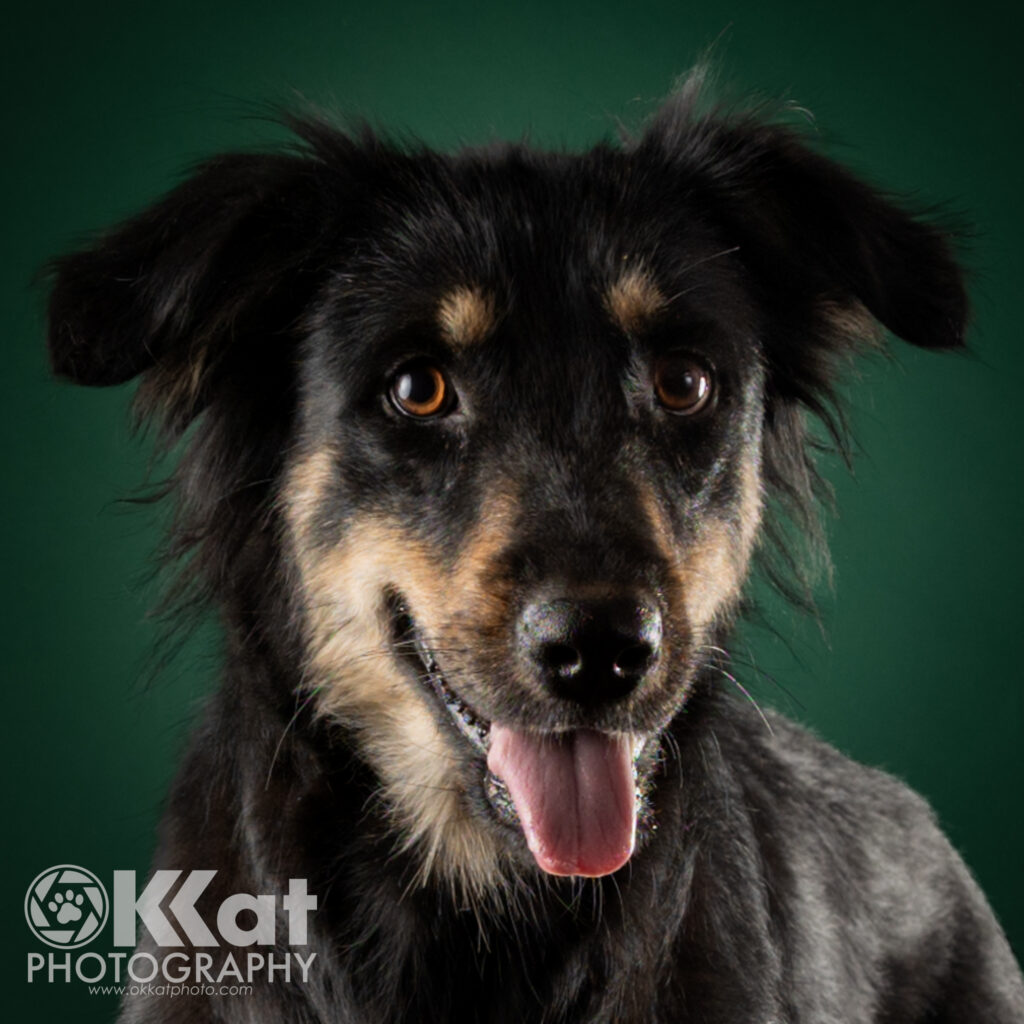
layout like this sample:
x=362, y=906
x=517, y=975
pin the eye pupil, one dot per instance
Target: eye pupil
x=682, y=384
x=417, y=388
x=420, y=391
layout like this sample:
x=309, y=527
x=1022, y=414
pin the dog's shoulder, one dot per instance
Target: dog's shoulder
x=866, y=806
x=858, y=872
x=859, y=824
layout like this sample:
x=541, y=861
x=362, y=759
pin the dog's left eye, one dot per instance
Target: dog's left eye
x=683, y=385
x=421, y=390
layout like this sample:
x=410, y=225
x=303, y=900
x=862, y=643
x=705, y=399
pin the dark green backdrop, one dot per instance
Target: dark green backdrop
x=919, y=670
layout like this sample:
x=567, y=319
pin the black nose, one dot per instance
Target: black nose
x=591, y=651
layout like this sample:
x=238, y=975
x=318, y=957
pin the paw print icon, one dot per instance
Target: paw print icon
x=66, y=906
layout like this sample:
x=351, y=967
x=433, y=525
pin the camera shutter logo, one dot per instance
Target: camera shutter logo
x=66, y=906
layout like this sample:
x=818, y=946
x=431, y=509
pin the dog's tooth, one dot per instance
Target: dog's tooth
x=500, y=798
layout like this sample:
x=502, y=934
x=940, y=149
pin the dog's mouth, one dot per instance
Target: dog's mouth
x=575, y=794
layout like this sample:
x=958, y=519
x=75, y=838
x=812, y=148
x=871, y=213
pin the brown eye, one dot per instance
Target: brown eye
x=421, y=390
x=683, y=385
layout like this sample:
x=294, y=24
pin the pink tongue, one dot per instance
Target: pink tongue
x=575, y=796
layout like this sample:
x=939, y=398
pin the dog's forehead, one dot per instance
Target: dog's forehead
x=477, y=238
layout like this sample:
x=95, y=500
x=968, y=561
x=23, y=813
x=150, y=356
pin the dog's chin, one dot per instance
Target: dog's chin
x=575, y=801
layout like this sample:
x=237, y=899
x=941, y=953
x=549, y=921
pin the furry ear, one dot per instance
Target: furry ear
x=815, y=227
x=810, y=232
x=833, y=257
x=225, y=261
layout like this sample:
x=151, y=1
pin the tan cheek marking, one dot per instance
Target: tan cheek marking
x=711, y=571
x=711, y=575
x=751, y=506
x=715, y=568
x=634, y=299
x=472, y=585
x=352, y=665
x=304, y=491
x=466, y=316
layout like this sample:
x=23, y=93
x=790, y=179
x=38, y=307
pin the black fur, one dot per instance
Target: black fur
x=266, y=303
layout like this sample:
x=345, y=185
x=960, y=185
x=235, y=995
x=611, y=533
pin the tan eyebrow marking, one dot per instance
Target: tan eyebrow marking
x=634, y=299
x=466, y=315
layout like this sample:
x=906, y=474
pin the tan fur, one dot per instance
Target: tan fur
x=712, y=569
x=466, y=316
x=715, y=567
x=307, y=483
x=470, y=579
x=634, y=299
x=362, y=685
x=712, y=573
x=852, y=321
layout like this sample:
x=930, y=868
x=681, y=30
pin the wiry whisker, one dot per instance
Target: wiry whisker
x=672, y=744
x=746, y=693
x=717, y=650
x=750, y=661
x=701, y=262
x=300, y=707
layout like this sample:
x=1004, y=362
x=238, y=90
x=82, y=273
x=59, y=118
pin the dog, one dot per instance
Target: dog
x=475, y=452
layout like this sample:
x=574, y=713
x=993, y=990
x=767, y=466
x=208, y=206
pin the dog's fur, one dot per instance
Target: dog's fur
x=368, y=564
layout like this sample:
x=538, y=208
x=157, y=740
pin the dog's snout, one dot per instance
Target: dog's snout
x=591, y=651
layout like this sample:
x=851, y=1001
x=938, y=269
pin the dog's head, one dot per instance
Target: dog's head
x=477, y=445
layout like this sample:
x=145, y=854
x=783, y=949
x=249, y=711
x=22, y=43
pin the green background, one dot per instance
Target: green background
x=918, y=667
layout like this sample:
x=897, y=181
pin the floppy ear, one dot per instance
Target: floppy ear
x=814, y=227
x=818, y=242
x=203, y=295
x=226, y=260
x=831, y=256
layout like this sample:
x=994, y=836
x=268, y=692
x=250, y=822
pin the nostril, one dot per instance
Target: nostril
x=633, y=661
x=562, y=659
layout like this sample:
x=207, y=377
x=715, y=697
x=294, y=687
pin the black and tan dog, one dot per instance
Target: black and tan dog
x=475, y=451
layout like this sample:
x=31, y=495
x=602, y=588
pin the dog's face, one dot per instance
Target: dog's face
x=497, y=428
x=526, y=488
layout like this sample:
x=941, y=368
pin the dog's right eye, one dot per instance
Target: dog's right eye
x=421, y=390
